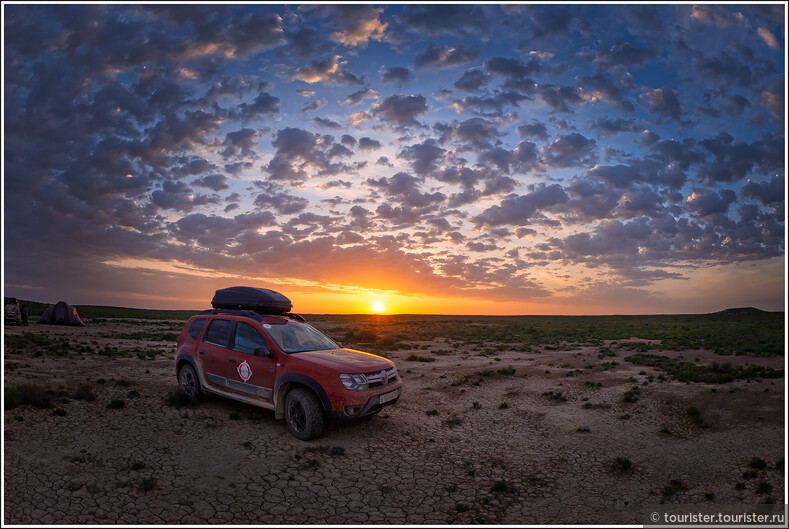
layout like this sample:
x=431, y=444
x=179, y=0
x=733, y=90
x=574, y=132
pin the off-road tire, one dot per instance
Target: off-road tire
x=303, y=414
x=189, y=384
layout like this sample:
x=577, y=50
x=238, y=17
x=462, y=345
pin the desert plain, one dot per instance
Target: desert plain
x=502, y=421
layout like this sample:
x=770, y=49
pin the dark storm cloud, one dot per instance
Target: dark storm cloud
x=215, y=182
x=446, y=19
x=708, y=202
x=238, y=34
x=591, y=200
x=473, y=134
x=398, y=75
x=724, y=69
x=423, y=156
x=519, y=210
x=405, y=188
x=512, y=68
x=491, y=106
x=472, y=80
x=533, y=130
x=732, y=160
x=402, y=110
x=313, y=105
x=663, y=102
x=327, y=123
x=329, y=70
x=768, y=192
x=304, y=42
x=445, y=56
x=369, y=144
x=572, y=150
x=241, y=142
x=614, y=126
x=174, y=195
x=299, y=150
x=275, y=197
x=612, y=90
x=360, y=95
x=560, y=98
x=623, y=53
x=717, y=15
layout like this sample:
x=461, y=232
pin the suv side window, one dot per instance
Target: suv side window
x=196, y=327
x=247, y=338
x=217, y=333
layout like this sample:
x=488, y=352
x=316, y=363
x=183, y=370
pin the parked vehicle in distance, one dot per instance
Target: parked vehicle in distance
x=250, y=348
x=12, y=312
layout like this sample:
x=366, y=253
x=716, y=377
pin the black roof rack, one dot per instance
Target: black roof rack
x=252, y=314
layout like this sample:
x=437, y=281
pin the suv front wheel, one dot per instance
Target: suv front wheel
x=303, y=414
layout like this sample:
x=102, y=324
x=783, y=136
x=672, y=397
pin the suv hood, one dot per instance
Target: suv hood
x=346, y=360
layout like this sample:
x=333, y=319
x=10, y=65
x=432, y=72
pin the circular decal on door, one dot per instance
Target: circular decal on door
x=244, y=371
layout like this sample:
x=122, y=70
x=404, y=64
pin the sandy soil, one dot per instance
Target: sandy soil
x=555, y=461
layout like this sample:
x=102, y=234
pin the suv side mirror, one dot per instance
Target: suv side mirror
x=262, y=352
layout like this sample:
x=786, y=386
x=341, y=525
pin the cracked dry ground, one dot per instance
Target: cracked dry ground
x=499, y=452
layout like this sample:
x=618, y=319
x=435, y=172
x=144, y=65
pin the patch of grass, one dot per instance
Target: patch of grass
x=622, y=464
x=674, y=486
x=476, y=405
x=709, y=495
x=337, y=451
x=630, y=397
x=503, y=406
x=462, y=507
x=779, y=465
x=27, y=395
x=432, y=412
x=694, y=413
x=321, y=449
x=716, y=374
x=116, y=404
x=453, y=421
x=147, y=484
x=502, y=486
x=419, y=358
x=758, y=463
x=178, y=399
x=59, y=412
x=558, y=396
x=764, y=487
x=137, y=465
x=750, y=474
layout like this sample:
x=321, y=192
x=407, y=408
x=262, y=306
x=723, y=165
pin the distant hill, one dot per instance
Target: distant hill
x=744, y=313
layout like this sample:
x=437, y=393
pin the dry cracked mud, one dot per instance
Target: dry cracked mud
x=452, y=451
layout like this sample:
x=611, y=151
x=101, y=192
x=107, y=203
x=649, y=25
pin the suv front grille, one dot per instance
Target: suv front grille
x=378, y=379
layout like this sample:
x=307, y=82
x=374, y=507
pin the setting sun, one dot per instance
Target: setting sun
x=379, y=307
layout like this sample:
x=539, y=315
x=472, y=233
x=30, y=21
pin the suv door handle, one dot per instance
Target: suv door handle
x=232, y=360
x=202, y=352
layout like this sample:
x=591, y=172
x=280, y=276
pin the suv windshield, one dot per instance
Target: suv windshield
x=294, y=337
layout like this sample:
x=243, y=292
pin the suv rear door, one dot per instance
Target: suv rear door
x=213, y=351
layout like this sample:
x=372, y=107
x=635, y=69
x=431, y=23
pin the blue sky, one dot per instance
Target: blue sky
x=514, y=158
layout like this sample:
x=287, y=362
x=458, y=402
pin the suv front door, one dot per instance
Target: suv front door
x=248, y=374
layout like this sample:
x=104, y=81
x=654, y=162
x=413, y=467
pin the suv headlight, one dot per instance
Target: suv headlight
x=354, y=381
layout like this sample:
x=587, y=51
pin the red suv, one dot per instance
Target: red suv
x=279, y=362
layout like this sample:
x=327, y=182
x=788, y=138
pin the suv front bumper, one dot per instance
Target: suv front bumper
x=373, y=405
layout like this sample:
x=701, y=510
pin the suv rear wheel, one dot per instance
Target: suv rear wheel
x=303, y=414
x=188, y=383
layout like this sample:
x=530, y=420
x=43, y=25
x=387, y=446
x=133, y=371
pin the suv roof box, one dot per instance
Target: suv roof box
x=260, y=300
